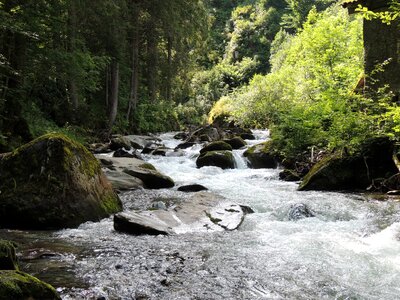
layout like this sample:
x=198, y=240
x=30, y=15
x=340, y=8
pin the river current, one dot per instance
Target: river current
x=349, y=250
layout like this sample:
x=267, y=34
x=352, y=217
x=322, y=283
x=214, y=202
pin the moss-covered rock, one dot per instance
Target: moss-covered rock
x=358, y=171
x=53, y=182
x=8, y=259
x=222, y=159
x=236, y=142
x=216, y=146
x=21, y=286
x=289, y=175
x=262, y=156
x=337, y=173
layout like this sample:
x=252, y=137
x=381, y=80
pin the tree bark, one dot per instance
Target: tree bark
x=169, y=70
x=72, y=86
x=133, y=95
x=152, y=63
x=113, y=101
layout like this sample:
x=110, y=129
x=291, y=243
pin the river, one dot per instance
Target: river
x=349, y=250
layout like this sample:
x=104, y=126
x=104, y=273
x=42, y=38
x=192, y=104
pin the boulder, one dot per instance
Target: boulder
x=185, y=145
x=146, y=172
x=20, y=286
x=8, y=259
x=353, y=172
x=140, y=141
x=222, y=159
x=247, y=136
x=262, y=156
x=122, y=181
x=206, y=134
x=149, y=148
x=203, y=212
x=53, y=183
x=180, y=136
x=191, y=188
x=236, y=142
x=119, y=142
x=216, y=146
x=123, y=153
x=162, y=151
x=289, y=175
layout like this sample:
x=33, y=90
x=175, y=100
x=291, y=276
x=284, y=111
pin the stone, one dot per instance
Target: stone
x=222, y=159
x=300, y=211
x=119, y=142
x=8, y=258
x=122, y=181
x=236, y=142
x=353, y=172
x=216, y=146
x=203, y=212
x=185, y=145
x=18, y=285
x=140, y=141
x=123, y=153
x=161, y=151
x=180, y=136
x=146, y=172
x=262, y=156
x=247, y=136
x=289, y=175
x=192, y=188
x=149, y=148
x=53, y=183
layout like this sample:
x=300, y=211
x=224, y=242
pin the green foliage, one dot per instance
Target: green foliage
x=306, y=100
x=156, y=117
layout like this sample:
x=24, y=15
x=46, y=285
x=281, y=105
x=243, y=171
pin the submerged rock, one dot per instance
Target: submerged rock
x=8, y=258
x=53, y=183
x=222, y=159
x=203, y=212
x=20, y=286
x=262, y=156
x=300, y=211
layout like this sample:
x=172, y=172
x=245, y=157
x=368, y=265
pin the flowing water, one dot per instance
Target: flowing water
x=349, y=250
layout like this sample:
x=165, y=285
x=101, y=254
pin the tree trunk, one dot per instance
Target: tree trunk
x=72, y=86
x=169, y=70
x=133, y=95
x=113, y=101
x=152, y=63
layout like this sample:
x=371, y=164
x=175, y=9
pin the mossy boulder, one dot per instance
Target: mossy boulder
x=8, y=259
x=236, y=142
x=216, y=146
x=262, y=156
x=289, y=175
x=222, y=159
x=53, y=183
x=352, y=172
x=21, y=286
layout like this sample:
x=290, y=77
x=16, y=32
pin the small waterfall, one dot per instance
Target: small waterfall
x=240, y=160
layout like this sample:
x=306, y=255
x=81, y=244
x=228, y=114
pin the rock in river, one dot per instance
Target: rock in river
x=52, y=183
x=136, y=168
x=222, y=159
x=20, y=286
x=8, y=258
x=262, y=156
x=203, y=212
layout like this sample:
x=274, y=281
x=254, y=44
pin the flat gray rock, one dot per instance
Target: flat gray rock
x=122, y=181
x=135, y=168
x=203, y=212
